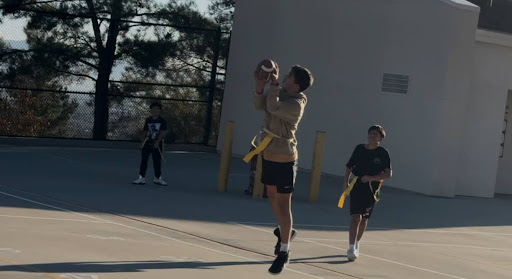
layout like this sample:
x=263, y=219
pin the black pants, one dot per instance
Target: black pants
x=147, y=150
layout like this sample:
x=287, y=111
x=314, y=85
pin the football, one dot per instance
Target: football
x=265, y=68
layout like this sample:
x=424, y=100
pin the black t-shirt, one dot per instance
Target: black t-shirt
x=153, y=127
x=369, y=162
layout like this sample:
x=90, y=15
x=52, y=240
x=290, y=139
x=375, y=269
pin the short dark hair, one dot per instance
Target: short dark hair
x=379, y=129
x=303, y=77
x=155, y=104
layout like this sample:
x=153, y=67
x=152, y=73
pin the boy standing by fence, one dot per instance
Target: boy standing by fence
x=155, y=127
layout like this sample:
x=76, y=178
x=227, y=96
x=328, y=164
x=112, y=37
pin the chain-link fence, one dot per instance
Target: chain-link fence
x=52, y=88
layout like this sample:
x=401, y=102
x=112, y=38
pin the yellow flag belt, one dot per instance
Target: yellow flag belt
x=345, y=193
x=262, y=145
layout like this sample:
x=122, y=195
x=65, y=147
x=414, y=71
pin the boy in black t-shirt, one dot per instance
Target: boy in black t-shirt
x=371, y=164
x=154, y=133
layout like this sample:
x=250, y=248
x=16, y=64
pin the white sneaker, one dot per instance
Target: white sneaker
x=352, y=254
x=140, y=181
x=160, y=181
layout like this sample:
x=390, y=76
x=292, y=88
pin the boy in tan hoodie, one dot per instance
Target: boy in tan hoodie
x=283, y=105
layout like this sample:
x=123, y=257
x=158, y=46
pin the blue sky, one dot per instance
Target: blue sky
x=13, y=29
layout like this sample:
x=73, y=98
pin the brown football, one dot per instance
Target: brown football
x=265, y=68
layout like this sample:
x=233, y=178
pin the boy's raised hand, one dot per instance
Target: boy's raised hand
x=274, y=77
x=259, y=80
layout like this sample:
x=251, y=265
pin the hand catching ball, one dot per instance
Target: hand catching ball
x=265, y=69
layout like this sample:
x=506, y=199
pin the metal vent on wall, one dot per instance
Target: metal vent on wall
x=393, y=83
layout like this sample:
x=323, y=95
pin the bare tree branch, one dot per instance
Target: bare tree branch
x=95, y=25
x=73, y=74
x=86, y=63
x=84, y=40
x=192, y=65
x=206, y=61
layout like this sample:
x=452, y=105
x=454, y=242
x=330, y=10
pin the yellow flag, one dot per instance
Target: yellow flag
x=345, y=193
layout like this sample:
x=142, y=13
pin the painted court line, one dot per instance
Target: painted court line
x=411, y=243
x=369, y=256
x=79, y=276
x=156, y=234
x=9, y=250
x=386, y=229
x=104, y=237
x=55, y=219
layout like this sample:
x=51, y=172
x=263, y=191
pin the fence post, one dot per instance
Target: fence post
x=213, y=87
x=316, y=171
x=225, y=157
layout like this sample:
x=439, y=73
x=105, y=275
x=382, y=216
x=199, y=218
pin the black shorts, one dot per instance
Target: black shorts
x=362, y=200
x=280, y=174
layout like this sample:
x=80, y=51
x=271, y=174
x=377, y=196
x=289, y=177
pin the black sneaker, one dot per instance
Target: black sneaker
x=277, y=233
x=279, y=263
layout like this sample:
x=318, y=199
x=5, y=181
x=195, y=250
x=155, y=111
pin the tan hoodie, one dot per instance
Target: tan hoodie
x=283, y=112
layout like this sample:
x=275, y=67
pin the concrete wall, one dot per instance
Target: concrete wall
x=348, y=45
x=482, y=172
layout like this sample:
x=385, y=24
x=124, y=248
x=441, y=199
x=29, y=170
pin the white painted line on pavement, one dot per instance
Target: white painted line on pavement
x=56, y=219
x=369, y=256
x=9, y=250
x=104, y=237
x=79, y=276
x=385, y=229
x=157, y=234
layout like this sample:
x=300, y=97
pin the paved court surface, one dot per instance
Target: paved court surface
x=72, y=213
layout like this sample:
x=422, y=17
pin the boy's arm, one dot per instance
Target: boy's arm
x=348, y=171
x=160, y=138
x=289, y=111
x=144, y=133
x=383, y=176
x=387, y=173
x=143, y=139
x=259, y=100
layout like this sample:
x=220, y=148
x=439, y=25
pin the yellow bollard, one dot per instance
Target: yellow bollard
x=258, y=190
x=316, y=170
x=225, y=158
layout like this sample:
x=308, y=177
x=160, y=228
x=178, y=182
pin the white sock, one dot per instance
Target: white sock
x=285, y=247
x=351, y=247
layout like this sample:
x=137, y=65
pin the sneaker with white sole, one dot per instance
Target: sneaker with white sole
x=139, y=181
x=160, y=181
x=277, y=233
x=279, y=263
x=352, y=254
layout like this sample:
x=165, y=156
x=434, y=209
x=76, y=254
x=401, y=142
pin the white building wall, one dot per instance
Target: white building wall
x=348, y=45
x=482, y=172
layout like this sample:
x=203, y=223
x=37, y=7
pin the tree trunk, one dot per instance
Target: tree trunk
x=100, y=128
x=107, y=58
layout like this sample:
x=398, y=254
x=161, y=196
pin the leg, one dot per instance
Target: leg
x=284, y=206
x=362, y=228
x=355, y=220
x=144, y=161
x=364, y=221
x=157, y=162
x=272, y=197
